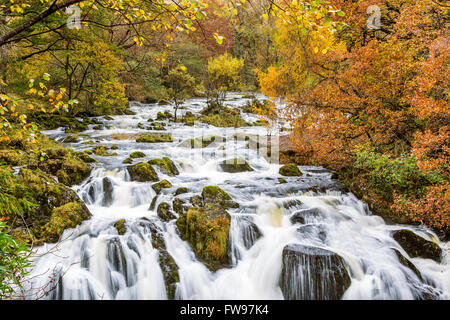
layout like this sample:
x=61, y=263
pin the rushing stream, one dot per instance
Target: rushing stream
x=94, y=262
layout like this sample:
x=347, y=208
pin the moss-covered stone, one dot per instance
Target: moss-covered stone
x=181, y=190
x=137, y=154
x=196, y=201
x=207, y=231
x=101, y=150
x=416, y=246
x=154, y=138
x=178, y=206
x=235, y=165
x=67, y=216
x=407, y=263
x=127, y=161
x=164, y=211
x=166, y=165
x=142, y=172
x=290, y=170
x=74, y=138
x=120, y=227
x=163, y=184
x=214, y=194
x=282, y=180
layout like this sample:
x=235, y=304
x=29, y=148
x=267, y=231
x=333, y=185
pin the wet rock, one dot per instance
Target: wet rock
x=207, y=231
x=154, y=138
x=127, y=161
x=163, y=184
x=101, y=150
x=72, y=139
x=181, y=190
x=168, y=266
x=65, y=217
x=310, y=273
x=164, y=212
x=166, y=165
x=120, y=227
x=290, y=170
x=108, y=190
x=215, y=195
x=179, y=206
x=137, y=154
x=142, y=172
x=416, y=246
x=235, y=165
x=282, y=180
x=196, y=201
x=153, y=203
x=404, y=261
x=291, y=203
x=297, y=217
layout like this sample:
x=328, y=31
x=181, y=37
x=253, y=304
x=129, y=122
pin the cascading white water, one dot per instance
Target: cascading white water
x=93, y=261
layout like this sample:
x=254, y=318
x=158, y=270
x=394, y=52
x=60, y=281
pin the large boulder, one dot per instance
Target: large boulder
x=416, y=246
x=163, y=184
x=290, y=170
x=310, y=273
x=166, y=165
x=142, y=172
x=235, y=165
x=207, y=231
x=65, y=217
x=215, y=195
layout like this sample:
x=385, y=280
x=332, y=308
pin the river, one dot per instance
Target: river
x=94, y=262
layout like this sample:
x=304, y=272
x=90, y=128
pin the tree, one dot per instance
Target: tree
x=223, y=76
x=180, y=86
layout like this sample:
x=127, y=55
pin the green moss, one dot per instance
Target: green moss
x=235, y=165
x=221, y=116
x=181, y=190
x=74, y=138
x=120, y=227
x=416, y=246
x=101, y=150
x=164, y=212
x=290, y=170
x=207, y=231
x=127, y=161
x=214, y=194
x=166, y=165
x=282, y=180
x=178, y=206
x=153, y=138
x=67, y=216
x=137, y=154
x=163, y=184
x=142, y=172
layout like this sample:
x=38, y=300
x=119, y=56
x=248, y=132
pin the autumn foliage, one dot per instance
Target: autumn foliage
x=353, y=92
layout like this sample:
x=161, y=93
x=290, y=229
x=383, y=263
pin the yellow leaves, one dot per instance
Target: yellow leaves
x=32, y=91
x=182, y=67
x=218, y=38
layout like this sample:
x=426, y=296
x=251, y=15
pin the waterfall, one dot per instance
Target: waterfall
x=307, y=238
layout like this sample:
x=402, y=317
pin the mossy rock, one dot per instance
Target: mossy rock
x=158, y=126
x=101, y=150
x=290, y=170
x=114, y=147
x=109, y=118
x=282, y=180
x=65, y=217
x=235, y=165
x=215, y=195
x=407, y=263
x=196, y=201
x=137, y=154
x=127, y=161
x=154, y=138
x=166, y=165
x=97, y=127
x=181, y=190
x=179, y=206
x=199, y=142
x=120, y=227
x=163, y=102
x=207, y=231
x=163, y=184
x=416, y=246
x=74, y=138
x=142, y=172
x=164, y=212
